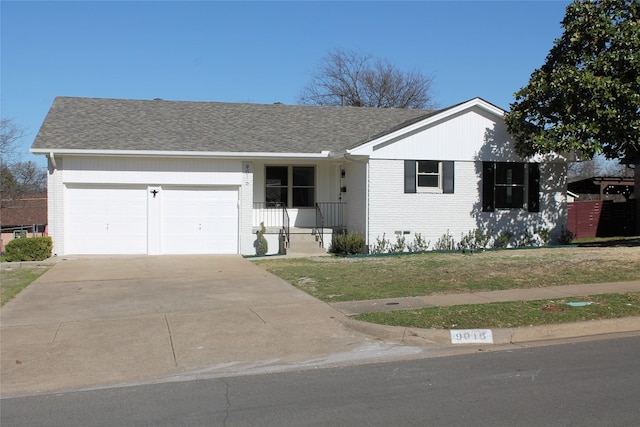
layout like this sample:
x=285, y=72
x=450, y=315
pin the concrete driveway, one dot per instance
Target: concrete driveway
x=105, y=321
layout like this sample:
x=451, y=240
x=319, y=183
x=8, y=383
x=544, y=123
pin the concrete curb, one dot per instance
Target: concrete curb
x=28, y=264
x=404, y=335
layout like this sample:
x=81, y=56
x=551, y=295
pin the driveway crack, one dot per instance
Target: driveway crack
x=56, y=334
x=259, y=317
x=173, y=350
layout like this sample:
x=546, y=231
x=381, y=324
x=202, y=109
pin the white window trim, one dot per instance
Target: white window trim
x=432, y=190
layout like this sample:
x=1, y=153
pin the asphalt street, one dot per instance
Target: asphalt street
x=592, y=383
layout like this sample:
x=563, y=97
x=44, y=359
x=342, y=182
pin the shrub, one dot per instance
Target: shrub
x=418, y=244
x=503, y=239
x=350, y=243
x=31, y=249
x=545, y=236
x=381, y=246
x=527, y=239
x=566, y=236
x=262, y=246
x=399, y=245
x=481, y=238
x=445, y=243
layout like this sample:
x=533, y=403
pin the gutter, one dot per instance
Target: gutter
x=181, y=154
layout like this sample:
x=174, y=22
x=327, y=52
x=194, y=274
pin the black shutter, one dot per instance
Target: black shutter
x=447, y=177
x=488, y=171
x=533, y=202
x=409, y=176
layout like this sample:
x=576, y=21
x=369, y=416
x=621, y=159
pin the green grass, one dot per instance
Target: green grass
x=350, y=279
x=511, y=314
x=13, y=281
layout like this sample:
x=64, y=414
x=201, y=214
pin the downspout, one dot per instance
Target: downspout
x=349, y=158
x=52, y=158
x=54, y=197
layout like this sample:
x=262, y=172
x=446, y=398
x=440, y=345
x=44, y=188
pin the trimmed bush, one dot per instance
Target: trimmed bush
x=31, y=249
x=351, y=243
x=262, y=246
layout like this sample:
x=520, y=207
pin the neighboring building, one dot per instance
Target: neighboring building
x=167, y=177
x=615, y=188
x=604, y=206
x=23, y=216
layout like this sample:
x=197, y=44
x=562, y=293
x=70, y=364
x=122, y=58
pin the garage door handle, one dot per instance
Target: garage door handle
x=107, y=226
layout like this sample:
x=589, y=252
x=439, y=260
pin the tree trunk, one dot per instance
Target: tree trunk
x=636, y=174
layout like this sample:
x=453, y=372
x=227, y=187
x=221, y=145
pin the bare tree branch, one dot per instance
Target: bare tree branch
x=348, y=78
x=10, y=134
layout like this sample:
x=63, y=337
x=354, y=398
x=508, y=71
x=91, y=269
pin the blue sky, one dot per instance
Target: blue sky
x=259, y=52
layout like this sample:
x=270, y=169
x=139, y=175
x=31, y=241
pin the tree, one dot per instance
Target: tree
x=348, y=78
x=17, y=177
x=10, y=134
x=585, y=99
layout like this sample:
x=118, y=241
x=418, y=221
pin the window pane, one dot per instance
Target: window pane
x=428, y=166
x=276, y=196
x=509, y=197
x=303, y=176
x=510, y=173
x=428, y=181
x=303, y=197
x=277, y=175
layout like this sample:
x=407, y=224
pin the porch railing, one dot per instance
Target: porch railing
x=273, y=215
x=319, y=231
x=268, y=213
x=328, y=215
x=286, y=229
x=332, y=213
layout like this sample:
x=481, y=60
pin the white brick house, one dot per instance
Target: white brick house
x=166, y=177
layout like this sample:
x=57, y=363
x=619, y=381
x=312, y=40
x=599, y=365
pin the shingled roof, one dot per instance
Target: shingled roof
x=158, y=125
x=28, y=209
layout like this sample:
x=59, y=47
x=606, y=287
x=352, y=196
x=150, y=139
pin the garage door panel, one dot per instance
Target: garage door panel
x=200, y=220
x=102, y=220
x=124, y=219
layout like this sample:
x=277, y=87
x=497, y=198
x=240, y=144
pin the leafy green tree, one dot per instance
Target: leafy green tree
x=585, y=99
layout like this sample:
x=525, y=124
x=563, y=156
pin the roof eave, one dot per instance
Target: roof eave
x=179, y=154
x=433, y=118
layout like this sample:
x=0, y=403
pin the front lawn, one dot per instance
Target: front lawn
x=13, y=281
x=349, y=279
x=512, y=314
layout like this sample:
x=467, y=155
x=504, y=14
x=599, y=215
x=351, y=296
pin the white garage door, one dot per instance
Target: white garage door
x=131, y=220
x=200, y=220
x=106, y=220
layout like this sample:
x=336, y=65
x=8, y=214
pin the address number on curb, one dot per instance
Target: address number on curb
x=471, y=336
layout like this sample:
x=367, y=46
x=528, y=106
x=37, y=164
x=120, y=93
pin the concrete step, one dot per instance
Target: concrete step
x=304, y=244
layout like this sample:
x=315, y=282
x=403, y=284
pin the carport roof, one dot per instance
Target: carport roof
x=178, y=126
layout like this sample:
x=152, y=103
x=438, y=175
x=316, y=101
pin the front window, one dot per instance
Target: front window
x=428, y=174
x=290, y=183
x=277, y=185
x=509, y=185
x=303, y=186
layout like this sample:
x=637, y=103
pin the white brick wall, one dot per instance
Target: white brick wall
x=55, y=214
x=356, y=181
x=432, y=214
x=246, y=236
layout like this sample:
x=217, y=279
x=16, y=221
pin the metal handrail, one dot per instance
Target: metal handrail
x=286, y=226
x=332, y=213
x=319, y=225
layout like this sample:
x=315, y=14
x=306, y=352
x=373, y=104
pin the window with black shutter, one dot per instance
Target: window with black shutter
x=510, y=185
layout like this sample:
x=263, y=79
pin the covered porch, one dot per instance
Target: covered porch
x=299, y=229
